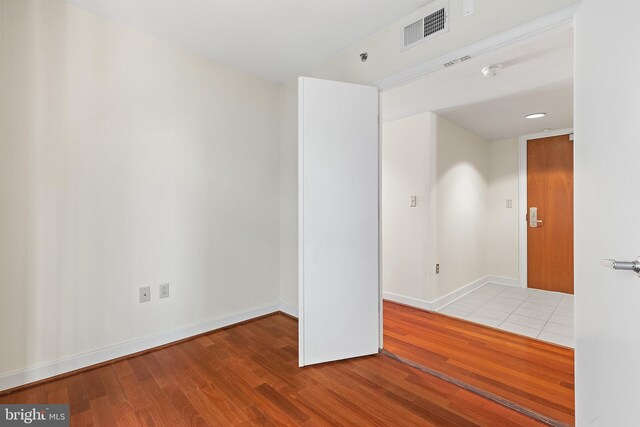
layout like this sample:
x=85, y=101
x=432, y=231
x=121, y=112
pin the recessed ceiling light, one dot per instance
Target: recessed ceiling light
x=536, y=115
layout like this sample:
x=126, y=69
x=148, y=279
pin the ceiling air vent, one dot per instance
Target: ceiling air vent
x=413, y=33
x=435, y=22
x=430, y=26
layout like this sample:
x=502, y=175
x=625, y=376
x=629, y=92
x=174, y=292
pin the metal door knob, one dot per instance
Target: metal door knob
x=622, y=265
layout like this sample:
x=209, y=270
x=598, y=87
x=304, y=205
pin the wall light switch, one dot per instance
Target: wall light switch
x=509, y=203
x=413, y=201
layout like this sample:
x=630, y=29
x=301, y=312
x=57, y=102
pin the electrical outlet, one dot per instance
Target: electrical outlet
x=145, y=294
x=437, y=268
x=164, y=290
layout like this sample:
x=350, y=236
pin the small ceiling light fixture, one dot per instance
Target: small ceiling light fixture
x=492, y=70
x=546, y=129
x=535, y=115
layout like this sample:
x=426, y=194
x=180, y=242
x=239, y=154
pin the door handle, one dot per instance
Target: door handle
x=622, y=265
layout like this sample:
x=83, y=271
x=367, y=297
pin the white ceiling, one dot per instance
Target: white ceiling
x=505, y=117
x=275, y=39
x=537, y=76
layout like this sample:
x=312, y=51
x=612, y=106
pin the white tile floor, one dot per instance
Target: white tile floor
x=545, y=315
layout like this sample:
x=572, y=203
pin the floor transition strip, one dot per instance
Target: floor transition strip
x=500, y=400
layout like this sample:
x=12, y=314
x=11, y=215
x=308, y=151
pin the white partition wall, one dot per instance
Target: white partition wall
x=339, y=292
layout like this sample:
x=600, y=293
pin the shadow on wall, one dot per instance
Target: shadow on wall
x=462, y=219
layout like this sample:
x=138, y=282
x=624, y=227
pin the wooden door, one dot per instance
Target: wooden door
x=550, y=190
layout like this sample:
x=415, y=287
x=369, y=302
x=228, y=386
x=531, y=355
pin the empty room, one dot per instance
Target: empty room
x=414, y=212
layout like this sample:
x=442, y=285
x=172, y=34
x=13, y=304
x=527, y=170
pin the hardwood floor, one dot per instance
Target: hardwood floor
x=530, y=373
x=248, y=375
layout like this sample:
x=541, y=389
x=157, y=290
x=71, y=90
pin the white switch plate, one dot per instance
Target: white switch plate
x=413, y=201
x=468, y=7
x=509, y=203
x=145, y=294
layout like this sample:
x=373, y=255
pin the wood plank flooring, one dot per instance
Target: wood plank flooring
x=530, y=373
x=248, y=375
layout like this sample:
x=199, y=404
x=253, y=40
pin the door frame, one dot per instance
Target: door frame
x=522, y=199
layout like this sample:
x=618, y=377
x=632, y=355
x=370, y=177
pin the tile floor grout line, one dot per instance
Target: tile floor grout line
x=465, y=295
x=514, y=310
x=502, y=292
x=572, y=337
x=493, y=298
x=545, y=323
x=485, y=303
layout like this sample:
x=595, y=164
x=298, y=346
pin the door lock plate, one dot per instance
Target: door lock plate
x=534, y=222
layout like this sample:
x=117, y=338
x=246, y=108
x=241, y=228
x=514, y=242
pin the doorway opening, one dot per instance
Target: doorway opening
x=478, y=230
x=464, y=172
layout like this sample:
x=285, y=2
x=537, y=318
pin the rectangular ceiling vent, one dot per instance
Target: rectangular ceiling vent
x=425, y=28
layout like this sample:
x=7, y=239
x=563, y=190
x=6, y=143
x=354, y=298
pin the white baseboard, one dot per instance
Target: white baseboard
x=289, y=309
x=458, y=293
x=51, y=369
x=508, y=281
x=412, y=302
x=445, y=300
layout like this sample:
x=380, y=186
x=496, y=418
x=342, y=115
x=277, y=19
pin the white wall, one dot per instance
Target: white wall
x=126, y=162
x=387, y=57
x=405, y=230
x=461, y=221
x=288, y=151
x=502, y=222
x=460, y=201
